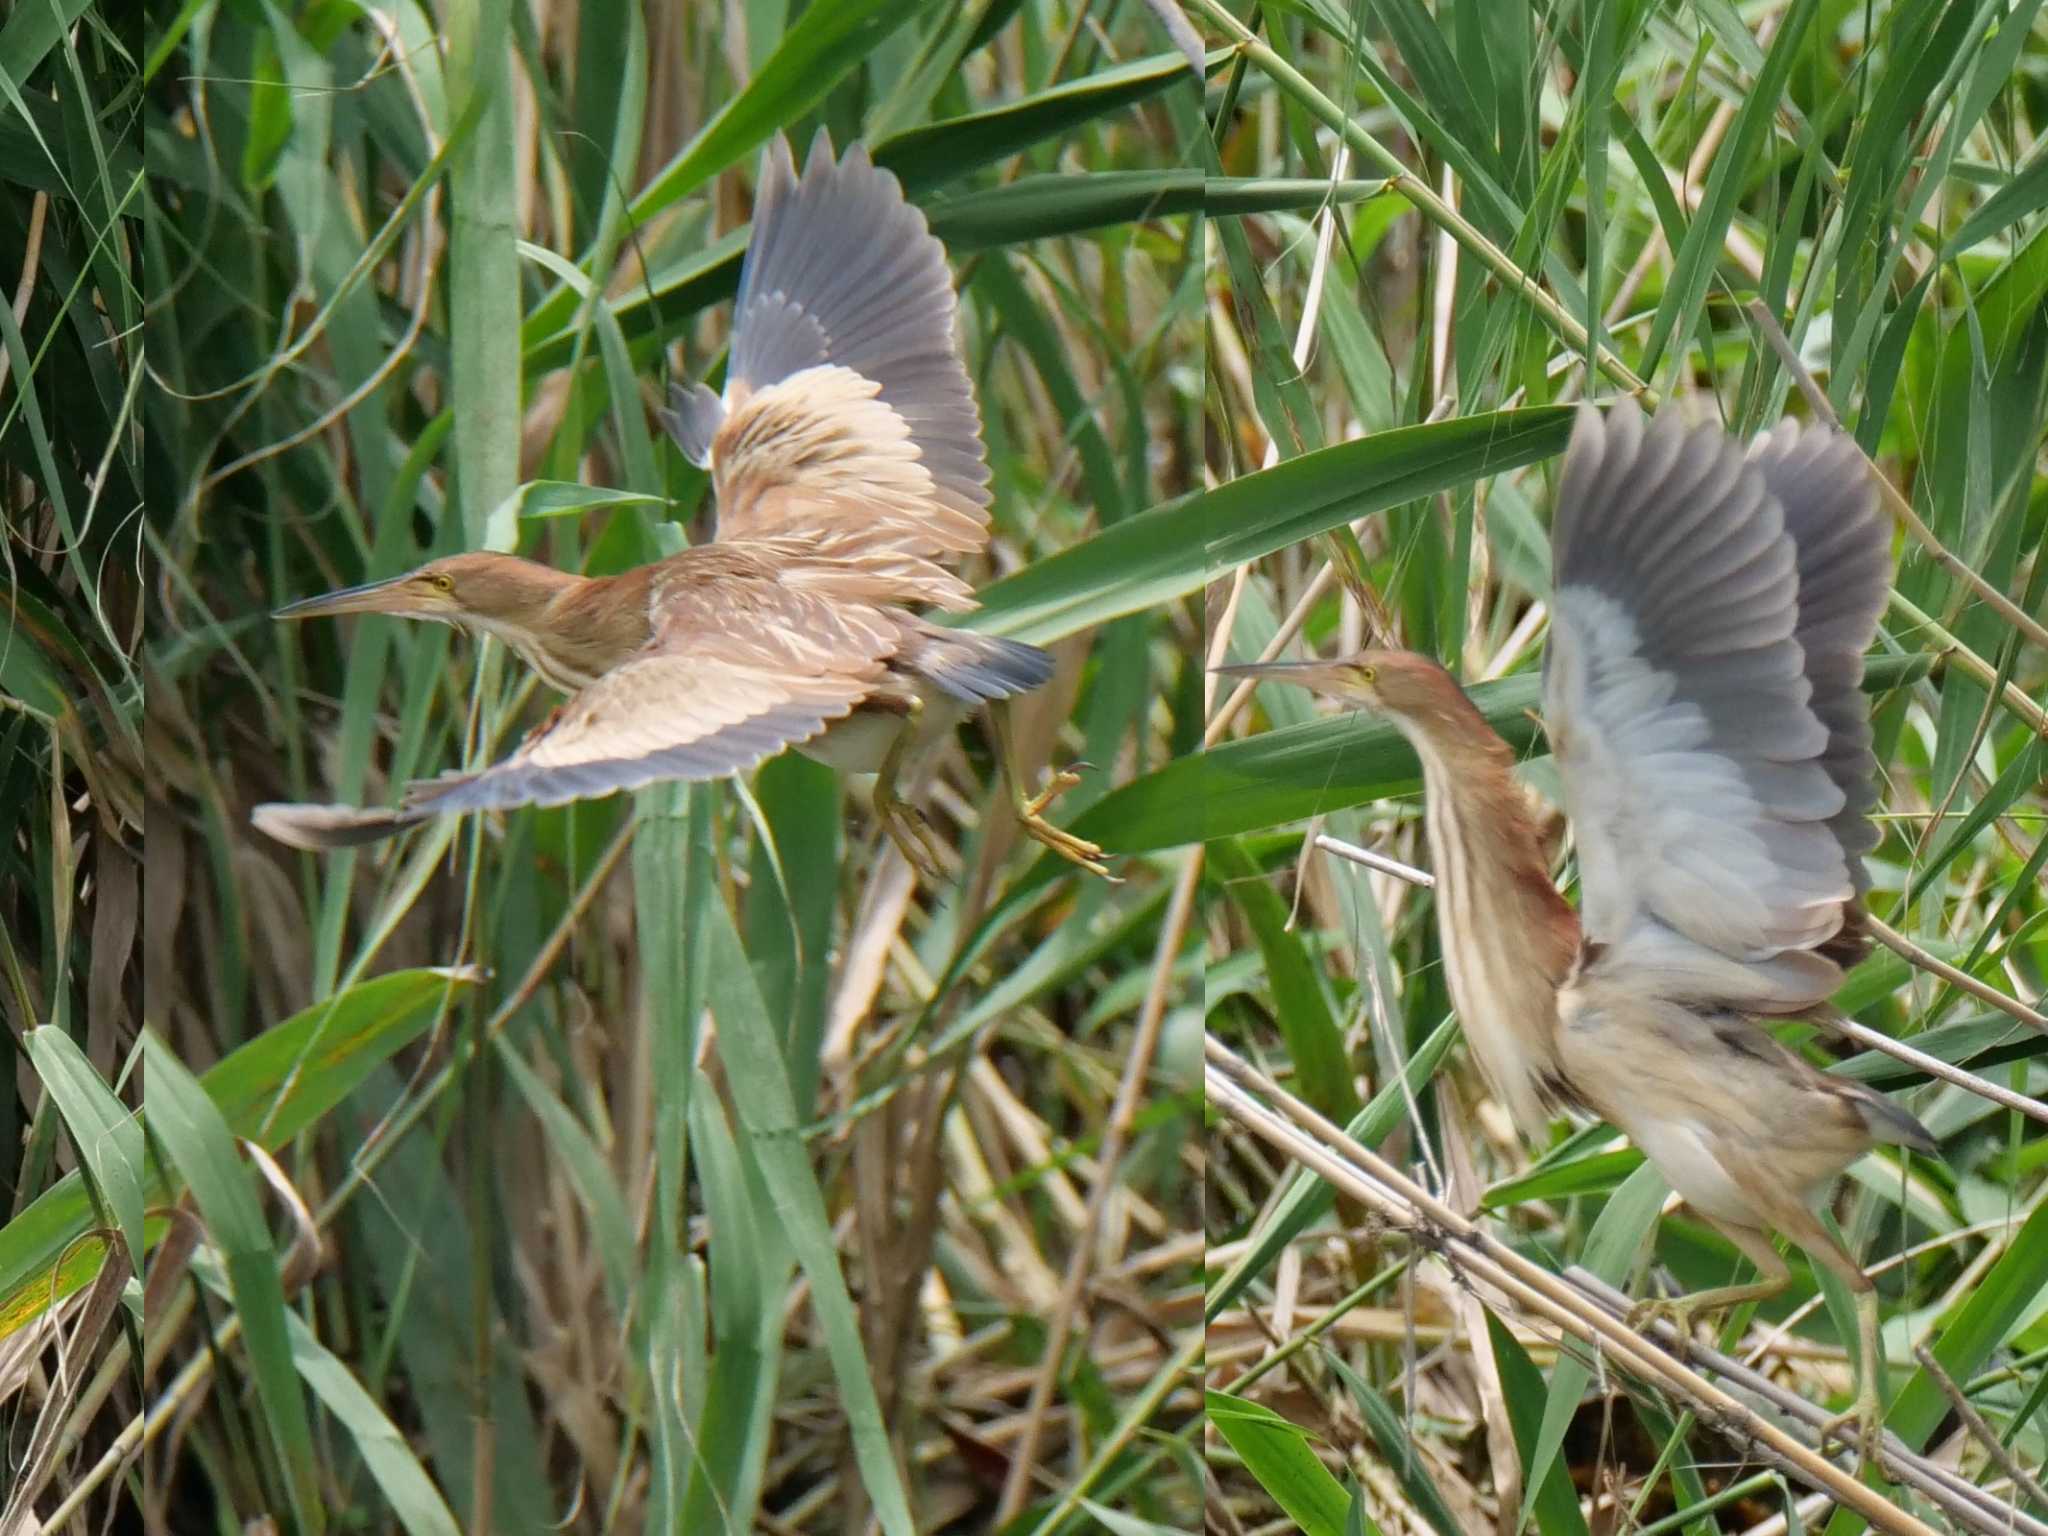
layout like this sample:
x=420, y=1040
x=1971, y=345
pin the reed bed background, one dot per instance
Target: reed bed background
x=72, y=783
x=1526, y=206
x=680, y=1162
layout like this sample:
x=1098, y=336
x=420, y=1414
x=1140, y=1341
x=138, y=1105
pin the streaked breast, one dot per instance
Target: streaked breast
x=1505, y=1002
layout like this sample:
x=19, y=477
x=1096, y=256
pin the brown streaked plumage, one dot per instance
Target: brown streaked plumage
x=1702, y=693
x=847, y=463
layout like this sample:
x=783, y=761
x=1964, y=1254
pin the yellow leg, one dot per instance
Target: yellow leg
x=1863, y=1424
x=1864, y=1421
x=906, y=827
x=1031, y=808
x=1772, y=1275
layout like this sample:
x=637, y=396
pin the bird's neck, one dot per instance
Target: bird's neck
x=585, y=627
x=1508, y=937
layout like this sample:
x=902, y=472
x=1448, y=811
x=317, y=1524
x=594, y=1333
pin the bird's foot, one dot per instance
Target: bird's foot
x=1678, y=1311
x=1860, y=1426
x=1031, y=815
x=911, y=833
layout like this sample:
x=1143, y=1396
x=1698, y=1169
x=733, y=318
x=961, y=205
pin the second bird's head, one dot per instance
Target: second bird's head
x=1404, y=684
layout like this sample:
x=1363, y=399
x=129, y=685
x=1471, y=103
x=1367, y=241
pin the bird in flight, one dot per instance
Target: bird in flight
x=847, y=461
x=1702, y=692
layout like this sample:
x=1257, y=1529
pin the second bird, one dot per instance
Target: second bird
x=1702, y=694
x=846, y=456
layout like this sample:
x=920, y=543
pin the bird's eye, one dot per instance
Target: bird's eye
x=442, y=582
x=1365, y=674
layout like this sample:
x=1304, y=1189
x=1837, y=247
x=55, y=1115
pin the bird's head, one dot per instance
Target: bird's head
x=1414, y=692
x=498, y=593
x=1405, y=684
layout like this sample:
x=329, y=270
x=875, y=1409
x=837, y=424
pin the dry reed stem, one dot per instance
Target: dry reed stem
x=1115, y=1138
x=1323, y=1148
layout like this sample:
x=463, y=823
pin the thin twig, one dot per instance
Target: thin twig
x=1950, y=651
x=1981, y=1432
x=1423, y=197
x=1906, y=1464
x=1371, y=860
x=1934, y=1066
x=1902, y=509
x=2004, y=1002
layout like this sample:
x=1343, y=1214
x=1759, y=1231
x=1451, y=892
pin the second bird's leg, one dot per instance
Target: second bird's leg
x=1772, y=1275
x=904, y=823
x=1031, y=808
x=1862, y=1423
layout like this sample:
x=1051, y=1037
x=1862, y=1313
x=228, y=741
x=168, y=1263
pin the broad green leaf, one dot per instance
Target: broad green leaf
x=1624, y=1222
x=268, y=1091
x=560, y=498
x=1278, y=1454
x=105, y=1131
x=1278, y=777
x=387, y=1456
x=824, y=45
x=921, y=157
x=751, y=1048
x=1314, y=1042
x=1398, y=1451
x=1556, y=1502
x=188, y=1124
x=1173, y=550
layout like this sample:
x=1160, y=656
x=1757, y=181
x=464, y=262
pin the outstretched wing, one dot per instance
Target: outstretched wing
x=710, y=696
x=1844, y=556
x=1717, y=814
x=848, y=420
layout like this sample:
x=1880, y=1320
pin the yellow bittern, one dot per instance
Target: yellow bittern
x=1702, y=695
x=847, y=461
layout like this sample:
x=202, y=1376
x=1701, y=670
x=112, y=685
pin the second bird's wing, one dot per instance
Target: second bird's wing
x=1717, y=814
x=1844, y=556
x=849, y=421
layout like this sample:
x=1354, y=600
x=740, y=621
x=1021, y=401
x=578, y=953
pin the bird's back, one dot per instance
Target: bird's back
x=1719, y=1105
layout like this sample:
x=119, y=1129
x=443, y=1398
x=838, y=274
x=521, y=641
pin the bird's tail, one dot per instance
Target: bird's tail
x=976, y=668
x=1888, y=1123
x=1852, y=941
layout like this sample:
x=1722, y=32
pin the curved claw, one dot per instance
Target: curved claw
x=1061, y=781
x=1075, y=850
x=912, y=834
x=1678, y=1311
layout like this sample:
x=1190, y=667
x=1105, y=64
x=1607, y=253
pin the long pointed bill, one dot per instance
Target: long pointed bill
x=387, y=596
x=1323, y=676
